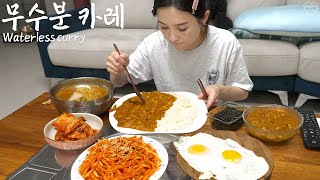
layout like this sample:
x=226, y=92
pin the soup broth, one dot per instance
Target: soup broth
x=81, y=93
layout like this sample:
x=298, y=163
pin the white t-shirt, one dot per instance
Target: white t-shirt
x=219, y=59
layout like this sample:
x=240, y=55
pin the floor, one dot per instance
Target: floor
x=22, y=79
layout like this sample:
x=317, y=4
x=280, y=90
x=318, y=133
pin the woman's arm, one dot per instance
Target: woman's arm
x=232, y=93
x=119, y=80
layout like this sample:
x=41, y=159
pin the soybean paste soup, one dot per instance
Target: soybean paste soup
x=81, y=93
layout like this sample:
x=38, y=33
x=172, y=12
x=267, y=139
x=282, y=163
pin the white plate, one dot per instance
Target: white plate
x=161, y=151
x=198, y=122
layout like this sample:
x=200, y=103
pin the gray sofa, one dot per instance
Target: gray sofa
x=274, y=65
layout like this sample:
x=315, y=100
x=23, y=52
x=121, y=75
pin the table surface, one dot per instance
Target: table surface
x=21, y=136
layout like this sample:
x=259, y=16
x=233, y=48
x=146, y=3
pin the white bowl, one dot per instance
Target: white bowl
x=92, y=120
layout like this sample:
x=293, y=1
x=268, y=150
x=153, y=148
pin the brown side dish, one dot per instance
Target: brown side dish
x=269, y=118
x=143, y=116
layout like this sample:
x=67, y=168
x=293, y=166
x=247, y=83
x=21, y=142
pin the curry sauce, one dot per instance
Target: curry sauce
x=143, y=116
x=273, y=119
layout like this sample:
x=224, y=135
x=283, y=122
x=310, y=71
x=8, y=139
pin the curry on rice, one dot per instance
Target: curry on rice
x=143, y=116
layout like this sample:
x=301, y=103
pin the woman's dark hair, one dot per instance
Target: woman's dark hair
x=218, y=10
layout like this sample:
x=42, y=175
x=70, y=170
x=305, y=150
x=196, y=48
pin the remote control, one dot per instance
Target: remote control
x=310, y=130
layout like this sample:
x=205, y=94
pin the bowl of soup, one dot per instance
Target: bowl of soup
x=82, y=95
x=272, y=123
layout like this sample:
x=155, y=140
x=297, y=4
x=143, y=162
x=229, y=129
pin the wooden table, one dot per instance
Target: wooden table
x=21, y=136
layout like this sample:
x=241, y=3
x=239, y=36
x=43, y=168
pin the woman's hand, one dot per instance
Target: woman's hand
x=218, y=92
x=116, y=67
x=116, y=63
x=213, y=92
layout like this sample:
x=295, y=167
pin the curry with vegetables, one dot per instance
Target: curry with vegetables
x=143, y=116
x=270, y=118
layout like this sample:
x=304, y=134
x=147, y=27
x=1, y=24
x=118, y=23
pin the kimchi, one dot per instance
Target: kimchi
x=72, y=128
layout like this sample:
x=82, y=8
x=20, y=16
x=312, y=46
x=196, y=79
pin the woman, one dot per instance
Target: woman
x=186, y=48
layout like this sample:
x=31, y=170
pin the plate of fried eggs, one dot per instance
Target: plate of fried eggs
x=204, y=156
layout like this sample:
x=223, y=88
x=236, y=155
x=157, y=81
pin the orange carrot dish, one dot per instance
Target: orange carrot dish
x=120, y=158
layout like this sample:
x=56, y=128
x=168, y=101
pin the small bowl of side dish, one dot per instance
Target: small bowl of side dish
x=272, y=123
x=82, y=95
x=95, y=122
x=227, y=116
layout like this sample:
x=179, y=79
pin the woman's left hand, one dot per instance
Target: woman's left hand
x=213, y=92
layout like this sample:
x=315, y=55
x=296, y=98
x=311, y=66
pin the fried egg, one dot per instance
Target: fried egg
x=221, y=159
x=199, y=151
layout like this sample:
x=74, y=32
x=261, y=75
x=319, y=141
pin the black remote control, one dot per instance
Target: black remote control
x=310, y=130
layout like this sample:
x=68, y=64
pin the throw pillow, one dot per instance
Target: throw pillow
x=289, y=20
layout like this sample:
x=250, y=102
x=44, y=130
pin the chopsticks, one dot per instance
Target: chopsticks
x=130, y=78
x=204, y=92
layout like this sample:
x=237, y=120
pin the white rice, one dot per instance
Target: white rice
x=179, y=116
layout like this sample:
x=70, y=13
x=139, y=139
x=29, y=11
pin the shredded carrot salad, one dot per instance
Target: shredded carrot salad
x=120, y=158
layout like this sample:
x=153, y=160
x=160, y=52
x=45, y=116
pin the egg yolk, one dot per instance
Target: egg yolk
x=231, y=156
x=197, y=149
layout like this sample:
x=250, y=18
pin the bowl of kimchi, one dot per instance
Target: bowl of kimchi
x=73, y=131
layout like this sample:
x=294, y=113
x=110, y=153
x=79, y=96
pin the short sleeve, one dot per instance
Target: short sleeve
x=139, y=65
x=237, y=74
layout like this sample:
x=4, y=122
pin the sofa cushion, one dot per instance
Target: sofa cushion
x=236, y=7
x=96, y=46
x=289, y=20
x=244, y=34
x=309, y=63
x=136, y=14
x=306, y=2
x=270, y=57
